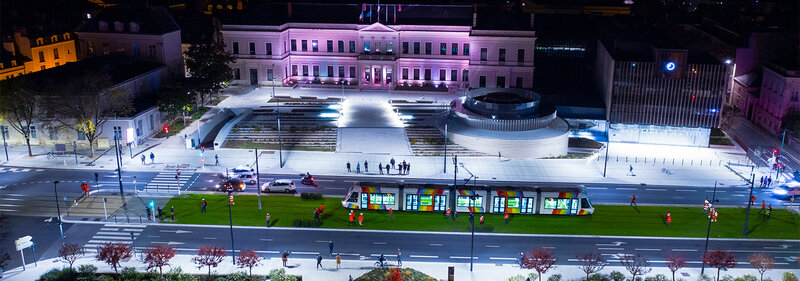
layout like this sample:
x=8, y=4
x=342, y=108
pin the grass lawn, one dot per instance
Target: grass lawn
x=607, y=220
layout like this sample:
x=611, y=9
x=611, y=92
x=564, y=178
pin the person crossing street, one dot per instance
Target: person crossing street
x=633, y=200
x=330, y=247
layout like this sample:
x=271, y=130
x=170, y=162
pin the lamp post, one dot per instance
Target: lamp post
x=455, y=177
x=258, y=182
x=3, y=132
x=119, y=176
x=230, y=219
x=708, y=232
x=445, y=150
x=471, y=207
x=58, y=209
x=278, y=105
x=749, y=202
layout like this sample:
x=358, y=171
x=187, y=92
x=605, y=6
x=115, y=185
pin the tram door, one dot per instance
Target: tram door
x=364, y=200
x=439, y=203
x=412, y=202
x=499, y=205
x=573, y=209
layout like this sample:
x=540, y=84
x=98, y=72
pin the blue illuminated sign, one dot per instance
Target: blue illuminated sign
x=713, y=110
x=670, y=66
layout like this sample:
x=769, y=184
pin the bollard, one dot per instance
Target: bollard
x=682, y=161
x=673, y=161
x=140, y=218
x=617, y=158
x=115, y=217
x=626, y=158
x=701, y=162
x=636, y=159
x=645, y=160
x=692, y=164
x=663, y=161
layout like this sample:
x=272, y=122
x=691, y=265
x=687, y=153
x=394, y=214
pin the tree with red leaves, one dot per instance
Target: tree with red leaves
x=113, y=252
x=636, y=264
x=591, y=263
x=761, y=262
x=249, y=259
x=675, y=262
x=158, y=256
x=540, y=260
x=70, y=253
x=209, y=256
x=720, y=260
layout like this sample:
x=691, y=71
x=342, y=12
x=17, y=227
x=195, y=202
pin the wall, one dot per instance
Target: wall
x=167, y=47
x=636, y=133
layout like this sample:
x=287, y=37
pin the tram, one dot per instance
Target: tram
x=413, y=197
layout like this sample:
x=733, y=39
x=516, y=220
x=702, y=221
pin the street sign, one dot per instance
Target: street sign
x=23, y=242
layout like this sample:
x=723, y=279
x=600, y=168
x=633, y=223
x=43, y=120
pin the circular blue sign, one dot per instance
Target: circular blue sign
x=670, y=66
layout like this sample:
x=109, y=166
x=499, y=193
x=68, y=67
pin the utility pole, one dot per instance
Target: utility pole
x=749, y=202
x=708, y=232
x=780, y=157
x=258, y=182
x=5, y=146
x=278, y=104
x=230, y=219
x=119, y=175
x=58, y=209
x=453, y=190
x=445, y=149
x=608, y=144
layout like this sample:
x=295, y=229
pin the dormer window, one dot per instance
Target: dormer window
x=134, y=27
x=66, y=36
x=118, y=26
x=53, y=38
x=39, y=41
x=103, y=26
x=13, y=63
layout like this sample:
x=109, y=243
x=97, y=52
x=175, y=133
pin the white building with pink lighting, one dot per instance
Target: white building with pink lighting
x=381, y=47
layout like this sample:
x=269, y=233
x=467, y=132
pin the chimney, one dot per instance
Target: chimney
x=532, y=21
x=474, y=14
x=289, y=9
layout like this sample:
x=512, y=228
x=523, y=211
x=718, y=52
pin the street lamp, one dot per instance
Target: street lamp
x=471, y=207
x=708, y=232
x=749, y=201
x=278, y=105
x=230, y=219
x=258, y=182
x=119, y=175
x=58, y=209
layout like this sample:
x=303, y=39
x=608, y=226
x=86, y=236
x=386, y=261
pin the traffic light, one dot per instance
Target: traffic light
x=152, y=203
x=775, y=151
x=203, y=149
x=166, y=130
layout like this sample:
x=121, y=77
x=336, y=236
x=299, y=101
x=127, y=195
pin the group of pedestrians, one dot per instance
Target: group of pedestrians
x=403, y=168
x=352, y=216
x=708, y=209
x=766, y=209
x=766, y=181
x=152, y=158
x=338, y=257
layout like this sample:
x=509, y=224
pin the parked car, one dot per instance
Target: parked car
x=235, y=172
x=231, y=185
x=282, y=185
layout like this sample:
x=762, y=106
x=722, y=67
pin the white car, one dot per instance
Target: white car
x=248, y=177
x=282, y=185
x=235, y=172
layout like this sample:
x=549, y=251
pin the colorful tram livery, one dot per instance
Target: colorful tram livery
x=481, y=199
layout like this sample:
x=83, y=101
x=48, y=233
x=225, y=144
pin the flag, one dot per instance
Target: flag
x=361, y=15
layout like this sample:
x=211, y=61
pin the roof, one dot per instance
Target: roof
x=118, y=67
x=489, y=17
x=151, y=20
x=750, y=79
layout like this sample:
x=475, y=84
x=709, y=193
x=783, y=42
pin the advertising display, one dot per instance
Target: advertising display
x=513, y=202
x=549, y=203
x=381, y=199
x=563, y=204
x=426, y=200
x=464, y=201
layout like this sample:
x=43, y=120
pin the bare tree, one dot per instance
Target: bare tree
x=540, y=260
x=70, y=253
x=675, y=262
x=719, y=259
x=249, y=259
x=18, y=108
x=113, y=252
x=158, y=256
x=761, y=262
x=636, y=264
x=209, y=256
x=591, y=263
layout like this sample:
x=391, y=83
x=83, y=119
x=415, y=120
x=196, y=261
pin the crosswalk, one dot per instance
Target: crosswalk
x=119, y=233
x=18, y=170
x=165, y=180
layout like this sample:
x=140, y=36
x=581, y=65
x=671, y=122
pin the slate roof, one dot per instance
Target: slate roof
x=152, y=20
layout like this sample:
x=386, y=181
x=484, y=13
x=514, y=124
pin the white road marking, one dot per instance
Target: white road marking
x=210, y=238
x=385, y=255
x=266, y=239
x=655, y=189
x=549, y=247
x=599, y=188
x=686, y=190
x=626, y=188
x=322, y=241
x=638, y=249
x=267, y=252
x=305, y=253
x=436, y=245
x=462, y=258
x=507, y=259
x=153, y=236
x=684, y=250
x=379, y=243
x=492, y=246
x=335, y=188
x=611, y=249
x=425, y=257
x=9, y=205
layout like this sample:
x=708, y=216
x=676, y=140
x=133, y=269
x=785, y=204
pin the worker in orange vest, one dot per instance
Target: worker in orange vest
x=669, y=218
x=447, y=214
x=361, y=219
x=481, y=219
x=505, y=217
x=763, y=207
x=352, y=217
x=714, y=217
x=321, y=209
x=391, y=212
x=705, y=205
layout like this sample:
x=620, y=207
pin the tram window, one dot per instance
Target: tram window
x=563, y=203
x=464, y=201
x=381, y=198
x=527, y=205
x=513, y=202
x=353, y=197
x=426, y=200
x=585, y=203
x=549, y=203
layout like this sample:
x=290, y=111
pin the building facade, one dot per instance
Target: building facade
x=779, y=93
x=41, y=52
x=395, y=49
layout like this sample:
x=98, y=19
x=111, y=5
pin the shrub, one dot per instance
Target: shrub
x=319, y=196
x=788, y=276
x=304, y=196
x=657, y=277
x=177, y=274
x=746, y=277
x=617, y=276
x=598, y=277
x=65, y=274
x=704, y=277
x=727, y=278
x=554, y=277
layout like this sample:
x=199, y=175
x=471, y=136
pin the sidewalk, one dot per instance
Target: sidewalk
x=306, y=267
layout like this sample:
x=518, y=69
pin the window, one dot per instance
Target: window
x=341, y=71
x=366, y=47
x=117, y=132
x=341, y=46
x=428, y=74
x=465, y=75
x=455, y=49
x=237, y=74
x=139, y=128
x=502, y=55
x=483, y=54
x=443, y=48
x=405, y=47
x=330, y=46
x=528, y=205
x=453, y=75
x=405, y=73
x=466, y=49
x=499, y=205
x=81, y=136
x=305, y=70
x=412, y=202
x=330, y=71
x=501, y=81
x=90, y=47
x=519, y=82
x=521, y=55
x=353, y=198
x=381, y=198
x=268, y=49
x=428, y=47
x=304, y=45
x=352, y=72
x=252, y=48
x=416, y=73
x=314, y=46
x=235, y=47
x=442, y=74
x=352, y=46
x=389, y=47
x=41, y=56
x=55, y=53
x=377, y=47
x=439, y=202
x=136, y=50
x=294, y=44
x=53, y=134
x=482, y=82
x=416, y=48
x=152, y=125
x=270, y=74
x=294, y=70
x=316, y=71
x=469, y=201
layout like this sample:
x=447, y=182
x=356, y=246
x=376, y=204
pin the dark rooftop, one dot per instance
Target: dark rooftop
x=153, y=20
x=119, y=68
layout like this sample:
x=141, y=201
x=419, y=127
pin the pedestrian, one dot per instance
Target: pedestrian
x=268, y=219
x=391, y=212
x=505, y=217
x=630, y=169
x=404, y=167
x=633, y=200
x=714, y=217
x=216, y=159
x=392, y=162
x=349, y=277
x=366, y=167
x=762, y=180
x=387, y=169
x=316, y=214
x=85, y=188
x=447, y=214
x=380, y=168
x=348, y=167
x=752, y=199
x=361, y=219
x=352, y=217
x=319, y=261
x=705, y=206
x=399, y=257
x=763, y=206
x=338, y=260
x=143, y=159
x=148, y=212
x=769, y=181
x=285, y=257
x=203, y=206
x=481, y=219
x=152, y=158
x=669, y=218
x=408, y=168
x=358, y=168
x=172, y=213
x=330, y=247
x=321, y=208
x=96, y=178
x=768, y=213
